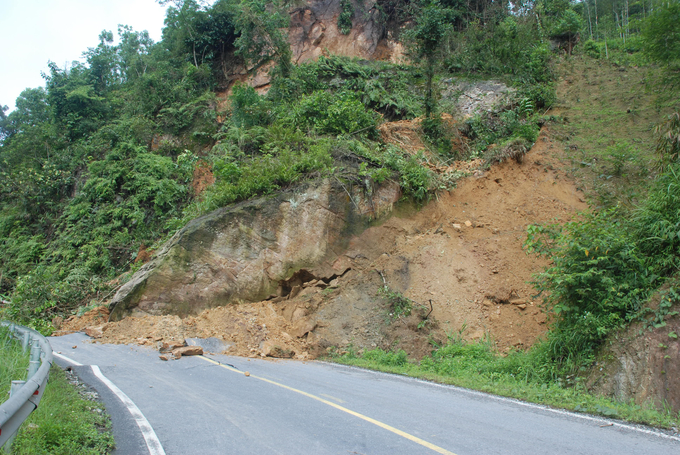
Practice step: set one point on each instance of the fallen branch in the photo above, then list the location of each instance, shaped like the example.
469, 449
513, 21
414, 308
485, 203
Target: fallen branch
383, 277
431, 309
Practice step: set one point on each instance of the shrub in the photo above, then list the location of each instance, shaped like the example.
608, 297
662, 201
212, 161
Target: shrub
604, 269
325, 112
345, 17
592, 49
416, 180
248, 108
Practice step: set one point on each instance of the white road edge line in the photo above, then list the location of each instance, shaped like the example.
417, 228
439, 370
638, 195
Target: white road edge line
519, 402
152, 442
67, 359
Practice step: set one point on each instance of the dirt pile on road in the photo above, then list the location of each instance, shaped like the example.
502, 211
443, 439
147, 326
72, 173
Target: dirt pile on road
460, 256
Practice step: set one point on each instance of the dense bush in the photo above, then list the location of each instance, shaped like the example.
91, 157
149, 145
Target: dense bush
332, 113
391, 90
605, 268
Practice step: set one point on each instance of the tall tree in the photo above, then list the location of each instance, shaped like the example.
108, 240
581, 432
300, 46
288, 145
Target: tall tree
432, 24
262, 36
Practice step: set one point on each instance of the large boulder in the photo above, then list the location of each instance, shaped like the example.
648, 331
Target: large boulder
254, 250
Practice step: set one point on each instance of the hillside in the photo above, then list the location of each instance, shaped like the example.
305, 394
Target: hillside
462, 252
472, 193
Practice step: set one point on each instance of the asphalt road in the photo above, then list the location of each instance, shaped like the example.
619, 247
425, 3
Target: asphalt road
208, 405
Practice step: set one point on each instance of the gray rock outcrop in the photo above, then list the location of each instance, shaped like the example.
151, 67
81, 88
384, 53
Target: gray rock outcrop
642, 366
247, 251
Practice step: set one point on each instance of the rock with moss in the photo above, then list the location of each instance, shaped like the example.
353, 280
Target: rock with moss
247, 251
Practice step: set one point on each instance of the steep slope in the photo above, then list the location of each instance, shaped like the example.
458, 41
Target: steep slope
461, 252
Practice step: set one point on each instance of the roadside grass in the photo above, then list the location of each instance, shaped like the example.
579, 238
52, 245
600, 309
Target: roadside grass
65, 423
609, 114
474, 365
13, 363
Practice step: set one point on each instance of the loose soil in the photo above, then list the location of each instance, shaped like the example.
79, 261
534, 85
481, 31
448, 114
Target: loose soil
460, 257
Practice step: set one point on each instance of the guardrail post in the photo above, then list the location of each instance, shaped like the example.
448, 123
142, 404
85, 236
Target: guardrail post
34, 364
16, 385
26, 341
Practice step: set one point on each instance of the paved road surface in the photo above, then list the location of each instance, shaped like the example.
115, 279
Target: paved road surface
207, 405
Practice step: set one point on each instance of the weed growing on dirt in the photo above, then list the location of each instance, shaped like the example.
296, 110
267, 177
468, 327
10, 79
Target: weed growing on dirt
399, 305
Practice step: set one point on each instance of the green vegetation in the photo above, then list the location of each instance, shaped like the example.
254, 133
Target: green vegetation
345, 17
13, 362
475, 365
64, 423
605, 268
103, 162
106, 160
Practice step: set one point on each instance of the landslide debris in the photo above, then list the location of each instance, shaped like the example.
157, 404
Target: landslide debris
247, 251
462, 252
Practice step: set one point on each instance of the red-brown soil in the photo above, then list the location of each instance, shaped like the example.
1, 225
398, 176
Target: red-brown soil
462, 251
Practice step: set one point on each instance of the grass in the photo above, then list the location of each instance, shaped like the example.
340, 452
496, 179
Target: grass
13, 362
65, 423
475, 366
609, 113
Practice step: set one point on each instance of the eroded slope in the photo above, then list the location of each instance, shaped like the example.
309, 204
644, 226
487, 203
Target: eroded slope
462, 251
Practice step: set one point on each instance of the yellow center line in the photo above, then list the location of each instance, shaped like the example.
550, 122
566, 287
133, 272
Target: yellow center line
332, 398
397, 431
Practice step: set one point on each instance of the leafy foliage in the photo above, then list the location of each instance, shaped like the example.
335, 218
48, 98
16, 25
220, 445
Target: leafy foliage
345, 17
605, 268
661, 35
324, 112
668, 140
261, 38
385, 88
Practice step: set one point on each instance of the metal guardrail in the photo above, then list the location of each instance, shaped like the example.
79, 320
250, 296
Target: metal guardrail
25, 395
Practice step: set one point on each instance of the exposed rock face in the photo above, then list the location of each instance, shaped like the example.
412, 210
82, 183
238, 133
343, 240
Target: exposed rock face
314, 31
248, 251
475, 97
642, 366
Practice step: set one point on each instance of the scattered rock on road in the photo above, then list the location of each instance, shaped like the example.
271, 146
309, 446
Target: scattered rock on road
95, 332
211, 344
170, 346
187, 350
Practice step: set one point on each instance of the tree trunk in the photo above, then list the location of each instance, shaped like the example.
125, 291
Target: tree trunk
429, 101
597, 31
